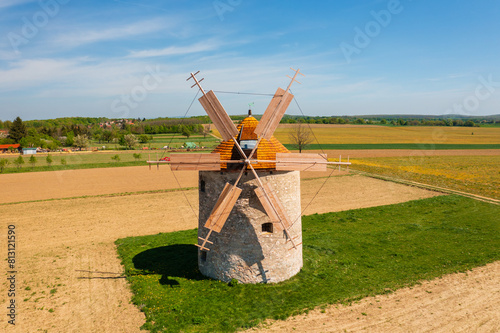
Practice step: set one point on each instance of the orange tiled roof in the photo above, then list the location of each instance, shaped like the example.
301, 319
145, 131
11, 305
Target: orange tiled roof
266, 151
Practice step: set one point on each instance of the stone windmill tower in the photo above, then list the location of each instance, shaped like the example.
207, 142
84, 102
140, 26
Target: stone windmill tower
249, 195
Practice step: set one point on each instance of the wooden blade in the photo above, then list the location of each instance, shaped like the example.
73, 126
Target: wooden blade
273, 206
195, 161
218, 115
223, 207
301, 162
273, 114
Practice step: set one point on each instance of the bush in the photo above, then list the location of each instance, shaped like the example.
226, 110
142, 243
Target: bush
3, 163
19, 162
32, 160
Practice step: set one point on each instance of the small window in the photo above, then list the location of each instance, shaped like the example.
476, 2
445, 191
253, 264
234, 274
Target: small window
267, 228
203, 255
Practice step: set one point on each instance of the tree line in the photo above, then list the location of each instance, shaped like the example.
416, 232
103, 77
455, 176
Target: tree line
67, 132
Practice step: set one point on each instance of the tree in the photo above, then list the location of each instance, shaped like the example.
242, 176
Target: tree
19, 161
81, 141
3, 163
32, 161
144, 138
70, 136
116, 158
206, 131
186, 131
63, 161
137, 156
49, 160
107, 136
300, 137
128, 140
17, 130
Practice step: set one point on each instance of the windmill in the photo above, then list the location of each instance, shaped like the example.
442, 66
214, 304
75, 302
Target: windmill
252, 161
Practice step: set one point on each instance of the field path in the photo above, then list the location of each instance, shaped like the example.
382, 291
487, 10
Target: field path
69, 276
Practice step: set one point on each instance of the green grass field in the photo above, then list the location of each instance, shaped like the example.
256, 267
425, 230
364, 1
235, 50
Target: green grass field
172, 140
347, 256
87, 160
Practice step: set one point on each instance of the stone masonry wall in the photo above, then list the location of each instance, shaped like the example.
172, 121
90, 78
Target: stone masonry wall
242, 250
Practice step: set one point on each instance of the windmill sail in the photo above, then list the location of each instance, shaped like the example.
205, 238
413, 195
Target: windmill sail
223, 207
210, 162
218, 115
273, 114
301, 162
273, 206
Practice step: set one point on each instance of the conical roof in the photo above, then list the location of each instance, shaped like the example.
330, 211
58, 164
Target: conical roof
266, 150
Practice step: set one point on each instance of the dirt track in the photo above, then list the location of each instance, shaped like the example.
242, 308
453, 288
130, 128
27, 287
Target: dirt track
69, 275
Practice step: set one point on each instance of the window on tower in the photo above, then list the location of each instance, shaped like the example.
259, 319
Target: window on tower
203, 255
267, 228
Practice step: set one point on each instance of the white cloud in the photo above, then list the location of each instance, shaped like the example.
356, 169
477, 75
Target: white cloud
118, 33
12, 3
176, 50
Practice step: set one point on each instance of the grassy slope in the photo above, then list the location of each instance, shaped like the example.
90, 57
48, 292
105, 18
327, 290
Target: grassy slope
347, 256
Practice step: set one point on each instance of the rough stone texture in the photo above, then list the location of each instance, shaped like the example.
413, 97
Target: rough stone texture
242, 250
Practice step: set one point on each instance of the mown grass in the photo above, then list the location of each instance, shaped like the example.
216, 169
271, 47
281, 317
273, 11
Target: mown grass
347, 256
473, 174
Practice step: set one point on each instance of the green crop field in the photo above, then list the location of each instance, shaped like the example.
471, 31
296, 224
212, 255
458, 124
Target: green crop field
347, 256
172, 140
473, 174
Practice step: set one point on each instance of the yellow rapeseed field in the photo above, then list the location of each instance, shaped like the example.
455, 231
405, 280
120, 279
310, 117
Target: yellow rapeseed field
366, 134
473, 174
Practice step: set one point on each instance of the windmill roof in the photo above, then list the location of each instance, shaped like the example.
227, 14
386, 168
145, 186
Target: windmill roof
266, 150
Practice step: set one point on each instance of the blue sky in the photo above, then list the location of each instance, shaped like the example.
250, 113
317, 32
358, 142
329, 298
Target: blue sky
116, 59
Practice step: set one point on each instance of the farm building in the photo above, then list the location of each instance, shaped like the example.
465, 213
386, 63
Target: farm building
6, 148
29, 151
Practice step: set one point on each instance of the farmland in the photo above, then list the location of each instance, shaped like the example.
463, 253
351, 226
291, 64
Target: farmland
372, 134
69, 220
72, 220
474, 174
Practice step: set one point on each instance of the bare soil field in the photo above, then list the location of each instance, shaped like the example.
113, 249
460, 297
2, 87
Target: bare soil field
69, 277
74, 183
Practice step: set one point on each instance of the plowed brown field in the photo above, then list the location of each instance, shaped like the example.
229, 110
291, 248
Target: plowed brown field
69, 277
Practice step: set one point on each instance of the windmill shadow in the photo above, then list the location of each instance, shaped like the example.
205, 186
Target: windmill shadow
179, 260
